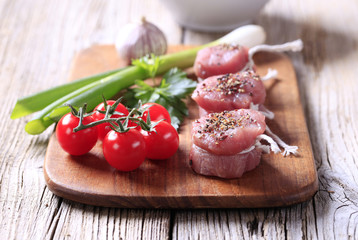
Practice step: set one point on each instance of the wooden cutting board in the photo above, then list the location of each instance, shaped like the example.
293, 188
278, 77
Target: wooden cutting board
277, 181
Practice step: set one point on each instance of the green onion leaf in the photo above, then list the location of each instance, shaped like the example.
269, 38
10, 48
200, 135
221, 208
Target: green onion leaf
90, 94
33, 103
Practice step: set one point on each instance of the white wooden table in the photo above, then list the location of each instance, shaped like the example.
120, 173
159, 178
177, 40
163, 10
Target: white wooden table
38, 40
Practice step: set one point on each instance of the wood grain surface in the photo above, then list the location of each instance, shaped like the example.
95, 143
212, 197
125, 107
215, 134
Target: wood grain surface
277, 181
39, 39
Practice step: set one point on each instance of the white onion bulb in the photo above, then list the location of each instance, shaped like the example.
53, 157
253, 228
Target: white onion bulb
136, 40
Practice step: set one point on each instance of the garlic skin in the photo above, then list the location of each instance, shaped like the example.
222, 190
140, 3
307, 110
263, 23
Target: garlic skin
135, 40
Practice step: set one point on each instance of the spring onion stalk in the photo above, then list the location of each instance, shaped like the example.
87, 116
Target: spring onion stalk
33, 103
90, 94
249, 36
108, 85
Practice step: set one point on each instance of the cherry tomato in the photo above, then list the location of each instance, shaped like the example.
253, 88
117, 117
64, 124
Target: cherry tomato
157, 112
163, 143
76, 143
124, 151
104, 128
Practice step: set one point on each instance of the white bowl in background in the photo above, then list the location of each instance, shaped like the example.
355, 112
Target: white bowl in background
214, 15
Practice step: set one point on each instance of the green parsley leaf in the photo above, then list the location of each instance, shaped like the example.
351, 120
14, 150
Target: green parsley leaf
149, 63
173, 88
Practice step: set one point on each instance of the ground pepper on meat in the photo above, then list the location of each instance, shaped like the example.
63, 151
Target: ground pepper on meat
230, 83
217, 125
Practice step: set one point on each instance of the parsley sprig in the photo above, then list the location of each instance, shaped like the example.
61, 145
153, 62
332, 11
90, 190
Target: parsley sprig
174, 87
148, 63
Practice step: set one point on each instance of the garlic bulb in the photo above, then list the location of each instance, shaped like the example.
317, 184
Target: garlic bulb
136, 40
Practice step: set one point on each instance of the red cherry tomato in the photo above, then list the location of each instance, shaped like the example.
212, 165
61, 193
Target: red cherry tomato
163, 143
104, 128
157, 112
124, 151
75, 143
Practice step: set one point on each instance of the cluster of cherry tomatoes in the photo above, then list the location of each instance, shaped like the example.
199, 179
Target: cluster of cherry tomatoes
124, 148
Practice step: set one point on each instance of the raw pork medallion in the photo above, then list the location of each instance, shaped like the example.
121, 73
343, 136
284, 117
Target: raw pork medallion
228, 92
220, 59
223, 143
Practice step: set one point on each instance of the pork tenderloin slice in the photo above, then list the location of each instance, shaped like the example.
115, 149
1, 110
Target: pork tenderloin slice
223, 166
220, 59
228, 132
229, 92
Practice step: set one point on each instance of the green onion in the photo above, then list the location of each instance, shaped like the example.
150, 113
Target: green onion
90, 94
90, 90
33, 103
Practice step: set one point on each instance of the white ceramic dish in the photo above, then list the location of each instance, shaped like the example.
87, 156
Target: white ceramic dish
214, 15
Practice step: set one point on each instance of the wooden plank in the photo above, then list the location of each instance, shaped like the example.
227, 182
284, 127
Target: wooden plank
278, 181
